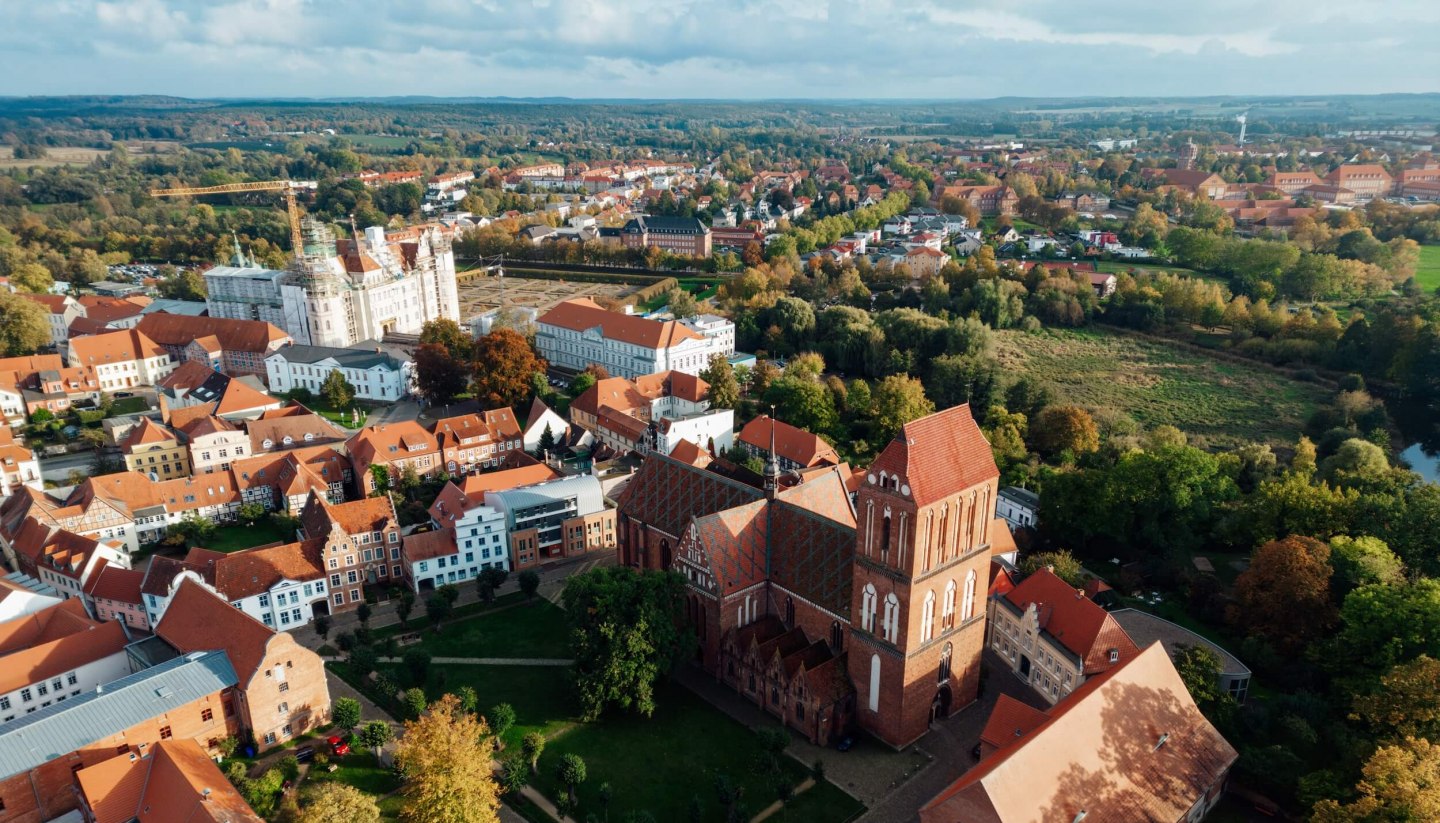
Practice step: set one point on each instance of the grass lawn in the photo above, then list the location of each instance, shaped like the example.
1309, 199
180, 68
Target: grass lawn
824, 801
234, 538
1217, 403
658, 764
536, 629
1427, 274
358, 769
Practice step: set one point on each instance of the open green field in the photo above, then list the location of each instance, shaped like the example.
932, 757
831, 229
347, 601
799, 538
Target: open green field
1427, 274
1216, 402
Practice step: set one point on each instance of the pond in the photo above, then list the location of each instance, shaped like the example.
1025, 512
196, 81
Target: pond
1419, 425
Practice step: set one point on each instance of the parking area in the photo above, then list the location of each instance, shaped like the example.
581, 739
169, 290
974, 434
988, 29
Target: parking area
481, 293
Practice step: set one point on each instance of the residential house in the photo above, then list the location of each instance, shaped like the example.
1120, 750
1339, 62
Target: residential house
55, 654
576, 333
471, 442
1053, 637
237, 347
121, 359
793, 448
361, 543
281, 690
175, 780
113, 593
375, 373
1156, 758
396, 446
187, 698
155, 450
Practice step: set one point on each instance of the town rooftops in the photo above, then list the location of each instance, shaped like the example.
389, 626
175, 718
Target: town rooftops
65, 727
1076, 622
583, 314
52, 641
1128, 745
198, 620
255, 336
176, 781
792, 443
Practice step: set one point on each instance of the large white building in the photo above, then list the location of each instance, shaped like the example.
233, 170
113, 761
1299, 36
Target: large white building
576, 333
339, 293
375, 373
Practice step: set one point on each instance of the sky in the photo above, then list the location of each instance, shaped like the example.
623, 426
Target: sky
729, 49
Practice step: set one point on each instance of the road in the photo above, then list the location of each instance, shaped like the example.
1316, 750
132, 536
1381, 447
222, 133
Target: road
57, 469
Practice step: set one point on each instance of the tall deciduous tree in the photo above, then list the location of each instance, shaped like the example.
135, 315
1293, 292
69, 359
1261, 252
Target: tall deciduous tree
333, 802
1058, 429
1284, 596
24, 325
895, 401
504, 364
1400, 783
626, 632
445, 759
439, 377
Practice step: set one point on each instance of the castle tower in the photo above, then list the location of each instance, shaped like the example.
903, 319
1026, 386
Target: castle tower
921, 570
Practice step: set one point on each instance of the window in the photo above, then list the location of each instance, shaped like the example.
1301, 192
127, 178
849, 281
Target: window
164, 732
206, 715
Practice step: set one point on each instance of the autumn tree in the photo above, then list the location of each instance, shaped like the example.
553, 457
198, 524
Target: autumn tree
24, 325
724, 388
627, 630
444, 757
439, 377
449, 335
895, 401
504, 364
337, 391
1400, 783
1404, 704
1284, 596
333, 802
1059, 429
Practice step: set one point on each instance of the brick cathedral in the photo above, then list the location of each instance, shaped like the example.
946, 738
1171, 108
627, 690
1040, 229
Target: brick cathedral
829, 606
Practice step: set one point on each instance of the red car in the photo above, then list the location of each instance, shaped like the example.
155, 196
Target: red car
338, 746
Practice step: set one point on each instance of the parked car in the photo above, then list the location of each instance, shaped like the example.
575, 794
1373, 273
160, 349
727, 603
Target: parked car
338, 746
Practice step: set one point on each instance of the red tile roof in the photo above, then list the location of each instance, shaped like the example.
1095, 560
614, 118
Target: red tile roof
1128, 745
939, 455
1067, 615
583, 313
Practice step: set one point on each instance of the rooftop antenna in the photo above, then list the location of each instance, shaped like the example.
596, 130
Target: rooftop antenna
1241, 118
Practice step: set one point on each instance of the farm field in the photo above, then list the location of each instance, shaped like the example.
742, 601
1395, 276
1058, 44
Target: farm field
1217, 403
1427, 274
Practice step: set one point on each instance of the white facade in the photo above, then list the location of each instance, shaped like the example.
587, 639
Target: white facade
704, 429
83, 678
333, 300
375, 375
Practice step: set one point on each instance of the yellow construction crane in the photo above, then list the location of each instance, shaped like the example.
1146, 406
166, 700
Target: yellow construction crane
288, 187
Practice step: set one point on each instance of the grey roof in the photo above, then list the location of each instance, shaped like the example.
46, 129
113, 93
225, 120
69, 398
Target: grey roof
1145, 628
355, 358
61, 728
193, 308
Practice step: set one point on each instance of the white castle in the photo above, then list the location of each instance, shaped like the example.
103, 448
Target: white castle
337, 293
